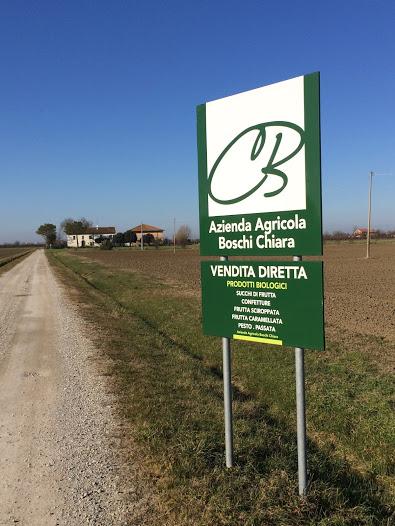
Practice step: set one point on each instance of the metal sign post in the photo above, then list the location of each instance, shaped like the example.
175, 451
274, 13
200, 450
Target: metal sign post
300, 414
227, 376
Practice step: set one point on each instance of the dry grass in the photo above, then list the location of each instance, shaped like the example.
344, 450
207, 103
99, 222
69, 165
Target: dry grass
169, 387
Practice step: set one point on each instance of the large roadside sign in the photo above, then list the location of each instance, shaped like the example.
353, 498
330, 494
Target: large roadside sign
260, 171
278, 303
260, 195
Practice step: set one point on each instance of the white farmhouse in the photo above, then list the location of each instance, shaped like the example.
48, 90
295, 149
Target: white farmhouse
91, 236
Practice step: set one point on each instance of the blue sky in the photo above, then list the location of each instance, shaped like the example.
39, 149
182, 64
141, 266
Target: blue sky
97, 107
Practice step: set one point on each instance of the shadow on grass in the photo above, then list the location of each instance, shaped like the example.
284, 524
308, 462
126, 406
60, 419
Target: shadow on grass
280, 449
323, 468
330, 479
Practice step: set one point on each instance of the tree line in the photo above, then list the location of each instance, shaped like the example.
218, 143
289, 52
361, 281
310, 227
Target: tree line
70, 226
339, 235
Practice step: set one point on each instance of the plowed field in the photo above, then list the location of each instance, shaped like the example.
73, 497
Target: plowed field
8, 252
359, 293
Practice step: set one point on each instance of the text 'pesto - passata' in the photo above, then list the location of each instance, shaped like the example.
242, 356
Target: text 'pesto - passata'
262, 271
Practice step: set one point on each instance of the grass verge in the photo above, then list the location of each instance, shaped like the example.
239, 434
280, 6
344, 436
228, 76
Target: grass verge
168, 382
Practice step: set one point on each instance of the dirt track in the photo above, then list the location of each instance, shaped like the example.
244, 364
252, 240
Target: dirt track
57, 465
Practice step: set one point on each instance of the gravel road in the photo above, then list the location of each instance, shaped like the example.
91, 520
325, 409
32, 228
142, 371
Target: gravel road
58, 459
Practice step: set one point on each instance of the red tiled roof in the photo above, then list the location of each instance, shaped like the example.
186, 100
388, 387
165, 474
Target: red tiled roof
364, 230
99, 230
146, 228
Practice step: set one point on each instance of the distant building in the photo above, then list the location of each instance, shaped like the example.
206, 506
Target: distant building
360, 233
144, 229
91, 236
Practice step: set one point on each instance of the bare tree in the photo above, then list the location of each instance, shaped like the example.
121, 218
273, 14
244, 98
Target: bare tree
183, 235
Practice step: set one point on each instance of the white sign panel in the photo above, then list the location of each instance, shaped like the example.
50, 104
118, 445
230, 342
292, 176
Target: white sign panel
268, 125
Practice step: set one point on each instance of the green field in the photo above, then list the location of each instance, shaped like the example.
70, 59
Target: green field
168, 381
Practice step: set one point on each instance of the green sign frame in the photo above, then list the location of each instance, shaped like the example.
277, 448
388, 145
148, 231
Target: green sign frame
287, 230
278, 303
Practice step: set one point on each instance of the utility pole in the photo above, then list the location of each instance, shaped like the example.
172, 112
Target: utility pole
142, 240
369, 216
174, 236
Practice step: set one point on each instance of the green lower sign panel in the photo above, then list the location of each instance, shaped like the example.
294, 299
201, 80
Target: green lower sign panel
279, 303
